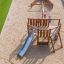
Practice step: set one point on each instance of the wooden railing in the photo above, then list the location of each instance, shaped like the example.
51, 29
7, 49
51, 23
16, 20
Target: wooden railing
39, 23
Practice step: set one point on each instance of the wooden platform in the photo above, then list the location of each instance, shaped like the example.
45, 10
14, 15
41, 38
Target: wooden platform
42, 43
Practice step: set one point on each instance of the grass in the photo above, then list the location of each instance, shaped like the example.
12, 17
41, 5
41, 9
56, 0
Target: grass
4, 8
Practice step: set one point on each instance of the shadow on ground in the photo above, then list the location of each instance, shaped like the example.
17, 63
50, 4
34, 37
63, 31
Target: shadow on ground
62, 2
36, 54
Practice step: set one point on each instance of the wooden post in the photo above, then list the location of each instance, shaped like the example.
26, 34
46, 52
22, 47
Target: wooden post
28, 26
60, 40
51, 41
37, 37
33, 22
37, 32
41, 26
59, 24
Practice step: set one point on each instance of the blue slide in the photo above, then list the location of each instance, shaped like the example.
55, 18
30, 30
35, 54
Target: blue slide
27, 43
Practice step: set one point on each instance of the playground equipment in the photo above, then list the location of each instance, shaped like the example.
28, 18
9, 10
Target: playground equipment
43, 30
44, 3
27, 43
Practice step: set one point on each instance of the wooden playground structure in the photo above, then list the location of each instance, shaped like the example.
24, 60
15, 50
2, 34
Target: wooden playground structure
43, 30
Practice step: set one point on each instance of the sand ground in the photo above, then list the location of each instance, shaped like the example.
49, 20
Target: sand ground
14, 32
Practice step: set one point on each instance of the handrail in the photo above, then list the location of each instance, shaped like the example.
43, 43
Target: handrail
43, 19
